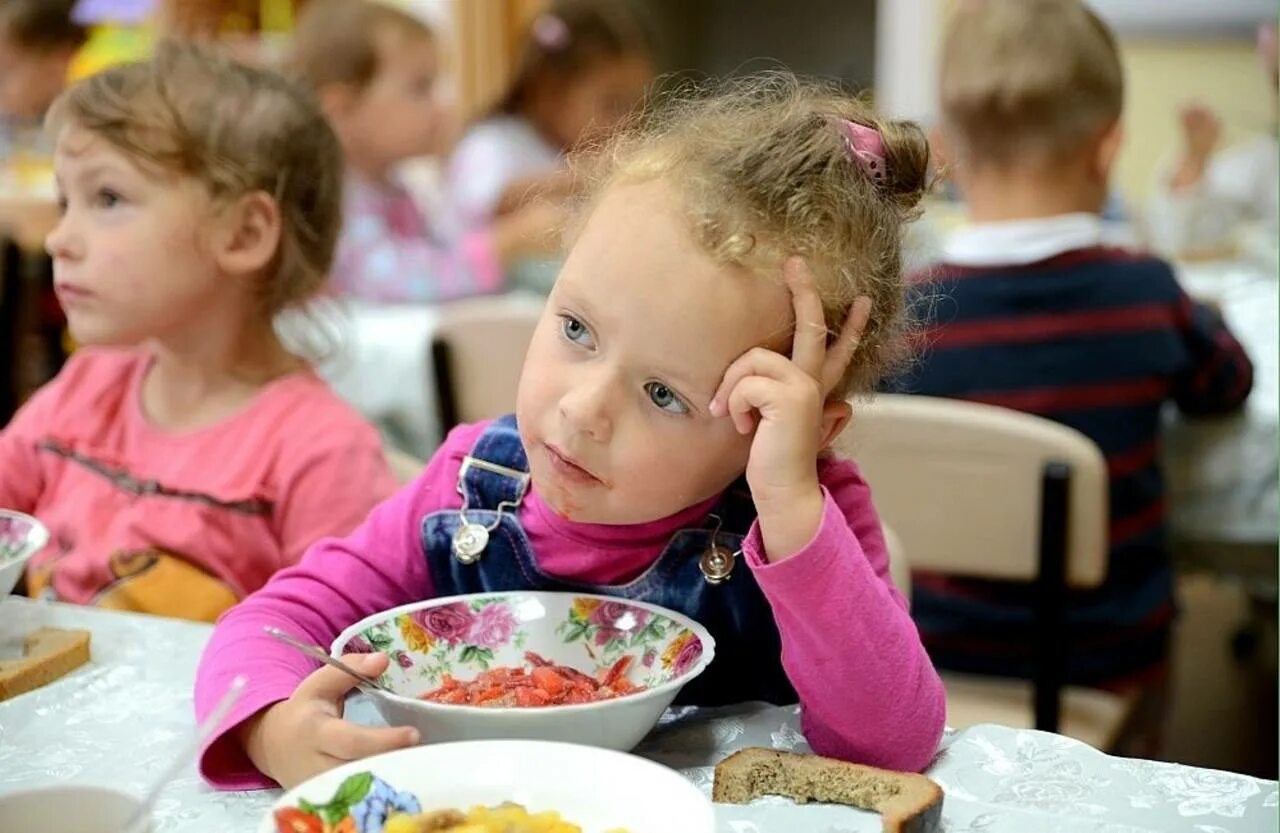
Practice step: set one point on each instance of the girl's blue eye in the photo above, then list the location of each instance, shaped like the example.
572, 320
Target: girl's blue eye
106, 198
665, 398
575, 331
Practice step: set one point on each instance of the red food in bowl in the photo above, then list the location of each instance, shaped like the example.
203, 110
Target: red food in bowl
544, 684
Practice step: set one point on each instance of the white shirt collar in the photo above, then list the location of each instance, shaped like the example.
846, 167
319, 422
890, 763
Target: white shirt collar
1016, 242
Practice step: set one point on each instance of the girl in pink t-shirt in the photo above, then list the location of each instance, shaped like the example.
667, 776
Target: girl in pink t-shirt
735, 278
185, 453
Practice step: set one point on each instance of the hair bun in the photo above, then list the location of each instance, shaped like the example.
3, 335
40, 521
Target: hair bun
907, 154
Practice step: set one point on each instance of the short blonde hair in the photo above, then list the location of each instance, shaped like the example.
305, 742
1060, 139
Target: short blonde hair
1027, 80
764, 170
336, 41
193, 112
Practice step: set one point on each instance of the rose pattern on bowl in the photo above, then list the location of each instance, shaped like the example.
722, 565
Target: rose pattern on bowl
19, 534
463, 638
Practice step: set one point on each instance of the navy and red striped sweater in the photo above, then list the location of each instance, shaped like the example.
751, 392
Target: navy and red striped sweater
1098, 339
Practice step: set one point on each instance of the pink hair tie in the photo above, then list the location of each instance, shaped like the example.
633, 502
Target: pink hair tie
551, 33
865, 146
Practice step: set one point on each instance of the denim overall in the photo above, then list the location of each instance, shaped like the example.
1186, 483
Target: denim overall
747, 664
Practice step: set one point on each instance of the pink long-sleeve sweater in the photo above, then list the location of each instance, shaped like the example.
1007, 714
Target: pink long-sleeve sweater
849, 647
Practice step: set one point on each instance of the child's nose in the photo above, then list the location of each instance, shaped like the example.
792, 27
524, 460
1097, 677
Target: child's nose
585, 408
60, 242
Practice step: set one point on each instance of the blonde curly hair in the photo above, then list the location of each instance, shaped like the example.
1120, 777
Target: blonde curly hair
764, 172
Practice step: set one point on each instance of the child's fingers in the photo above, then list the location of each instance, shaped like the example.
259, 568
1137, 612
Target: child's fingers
809, 344
329, 683
758, 361
755, 394
745, 400
351, 742
841, 352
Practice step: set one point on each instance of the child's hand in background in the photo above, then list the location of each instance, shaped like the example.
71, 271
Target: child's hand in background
297, 738
1201, 131
785, 401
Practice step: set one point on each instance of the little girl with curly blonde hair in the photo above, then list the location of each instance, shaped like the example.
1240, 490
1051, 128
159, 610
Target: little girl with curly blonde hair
734, 279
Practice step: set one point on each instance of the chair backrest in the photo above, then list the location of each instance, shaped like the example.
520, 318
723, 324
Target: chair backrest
405, 468
477, 352
961, 484
899, 566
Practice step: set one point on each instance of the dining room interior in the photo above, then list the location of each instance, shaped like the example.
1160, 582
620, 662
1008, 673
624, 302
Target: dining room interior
277, 278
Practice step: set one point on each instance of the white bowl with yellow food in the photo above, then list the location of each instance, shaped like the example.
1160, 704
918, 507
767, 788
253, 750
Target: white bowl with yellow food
495, 786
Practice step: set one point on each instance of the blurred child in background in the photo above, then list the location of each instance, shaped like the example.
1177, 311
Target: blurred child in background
376, 69
184, 454
37, 42
1202, 200
584, 67
1030, 310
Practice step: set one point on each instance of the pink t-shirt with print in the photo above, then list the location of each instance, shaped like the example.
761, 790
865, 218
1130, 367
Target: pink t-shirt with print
181, 524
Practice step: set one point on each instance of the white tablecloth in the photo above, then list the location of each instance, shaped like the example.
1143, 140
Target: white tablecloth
1222, 471
117, 721
383, 365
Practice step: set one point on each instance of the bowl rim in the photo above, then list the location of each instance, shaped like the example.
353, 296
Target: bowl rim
708, 654
448, 747
41, 534
71, 787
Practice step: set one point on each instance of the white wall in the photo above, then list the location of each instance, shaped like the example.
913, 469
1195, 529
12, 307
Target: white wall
906, 71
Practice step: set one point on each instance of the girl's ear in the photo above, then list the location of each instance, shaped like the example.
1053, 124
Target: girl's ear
835, 416
338, 100
248, 234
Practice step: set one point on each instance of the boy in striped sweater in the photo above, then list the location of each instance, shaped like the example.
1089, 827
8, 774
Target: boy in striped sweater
1030, 310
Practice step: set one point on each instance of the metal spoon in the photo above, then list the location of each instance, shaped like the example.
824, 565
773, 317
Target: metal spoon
316, 652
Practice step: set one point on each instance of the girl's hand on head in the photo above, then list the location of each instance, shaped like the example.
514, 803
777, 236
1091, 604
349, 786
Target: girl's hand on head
306, 735
785, 402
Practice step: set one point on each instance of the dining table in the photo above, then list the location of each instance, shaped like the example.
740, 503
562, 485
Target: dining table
117, 721
1224, 504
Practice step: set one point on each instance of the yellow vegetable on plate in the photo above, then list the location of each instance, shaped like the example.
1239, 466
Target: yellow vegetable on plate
505, 818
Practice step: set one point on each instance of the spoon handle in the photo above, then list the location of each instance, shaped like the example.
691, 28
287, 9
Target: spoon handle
316, 653
138, 821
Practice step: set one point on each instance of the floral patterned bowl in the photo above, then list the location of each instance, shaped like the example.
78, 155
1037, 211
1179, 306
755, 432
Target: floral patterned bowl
465, 635
596, 789
21, 536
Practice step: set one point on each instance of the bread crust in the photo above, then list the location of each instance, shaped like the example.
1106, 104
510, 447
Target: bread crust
907, 802
48, 653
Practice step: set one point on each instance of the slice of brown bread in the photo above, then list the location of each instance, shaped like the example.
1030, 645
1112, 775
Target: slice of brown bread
48, 653
908, 803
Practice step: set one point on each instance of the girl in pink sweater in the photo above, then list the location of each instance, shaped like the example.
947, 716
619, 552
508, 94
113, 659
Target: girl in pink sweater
735, 278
